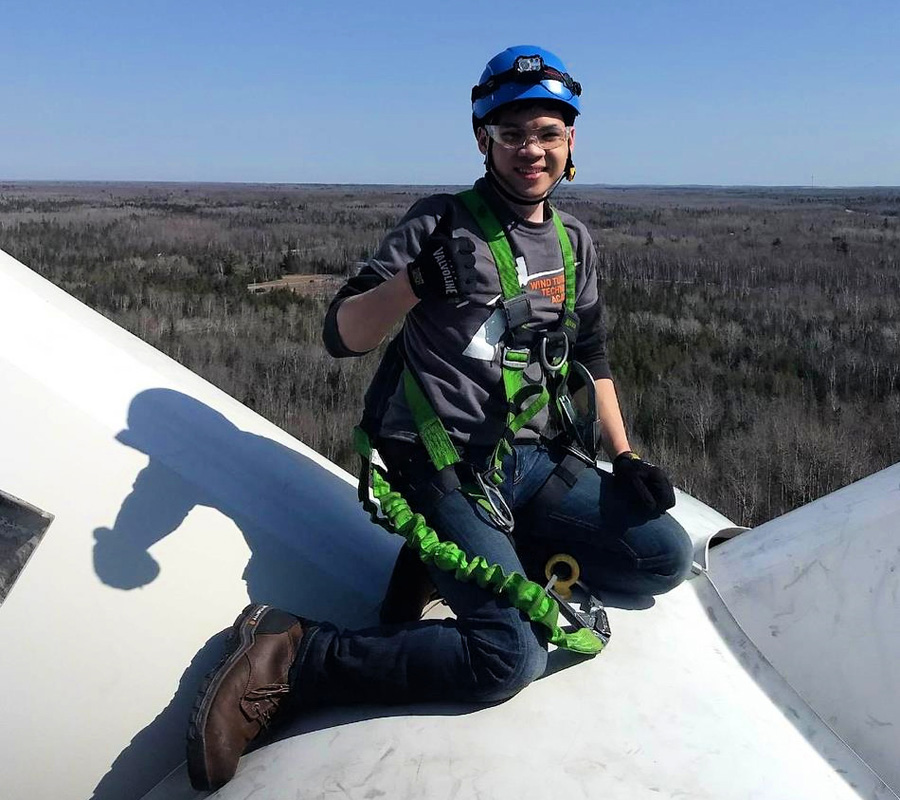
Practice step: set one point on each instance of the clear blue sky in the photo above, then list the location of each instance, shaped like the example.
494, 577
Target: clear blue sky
677, 91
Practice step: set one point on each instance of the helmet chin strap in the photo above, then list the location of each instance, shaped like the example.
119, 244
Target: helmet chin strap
497, 182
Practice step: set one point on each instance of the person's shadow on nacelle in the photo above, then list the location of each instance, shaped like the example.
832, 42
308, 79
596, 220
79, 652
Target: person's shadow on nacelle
312, 548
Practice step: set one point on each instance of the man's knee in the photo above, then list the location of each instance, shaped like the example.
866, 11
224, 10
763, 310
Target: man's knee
504, 660
673, 564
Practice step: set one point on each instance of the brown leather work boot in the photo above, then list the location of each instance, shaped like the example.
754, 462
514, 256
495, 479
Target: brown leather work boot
239, 698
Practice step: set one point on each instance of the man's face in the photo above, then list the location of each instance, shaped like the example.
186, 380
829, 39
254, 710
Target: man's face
529, 171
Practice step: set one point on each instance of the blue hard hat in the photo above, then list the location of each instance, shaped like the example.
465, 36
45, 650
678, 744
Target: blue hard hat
524, 72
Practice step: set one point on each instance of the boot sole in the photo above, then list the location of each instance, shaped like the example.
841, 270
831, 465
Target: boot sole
241, 638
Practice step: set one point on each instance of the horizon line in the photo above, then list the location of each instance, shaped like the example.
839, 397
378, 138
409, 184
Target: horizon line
316, 184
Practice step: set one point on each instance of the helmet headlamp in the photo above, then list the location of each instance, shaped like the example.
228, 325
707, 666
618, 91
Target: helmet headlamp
529, 64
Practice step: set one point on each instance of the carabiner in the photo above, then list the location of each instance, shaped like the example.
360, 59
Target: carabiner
501, 515
545, 362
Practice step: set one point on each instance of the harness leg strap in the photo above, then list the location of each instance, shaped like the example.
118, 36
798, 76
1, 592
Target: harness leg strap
548, 497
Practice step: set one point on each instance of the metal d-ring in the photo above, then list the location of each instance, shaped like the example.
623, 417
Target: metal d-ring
545, 362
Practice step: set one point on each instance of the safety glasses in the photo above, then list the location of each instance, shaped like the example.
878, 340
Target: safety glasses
515, 138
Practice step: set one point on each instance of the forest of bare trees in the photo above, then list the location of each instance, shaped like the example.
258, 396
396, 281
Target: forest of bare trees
754, 333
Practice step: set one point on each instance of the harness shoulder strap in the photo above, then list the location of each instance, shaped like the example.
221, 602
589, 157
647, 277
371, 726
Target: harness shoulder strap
496, 240
568, 259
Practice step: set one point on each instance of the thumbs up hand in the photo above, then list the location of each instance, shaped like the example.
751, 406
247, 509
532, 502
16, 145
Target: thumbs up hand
445, 269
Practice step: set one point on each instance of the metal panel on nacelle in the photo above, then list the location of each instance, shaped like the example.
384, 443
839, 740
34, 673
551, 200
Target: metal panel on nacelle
105, 645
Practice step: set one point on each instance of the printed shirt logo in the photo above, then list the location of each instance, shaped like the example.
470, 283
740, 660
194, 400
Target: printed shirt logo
552, 284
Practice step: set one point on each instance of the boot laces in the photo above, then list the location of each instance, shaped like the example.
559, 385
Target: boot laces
263, 702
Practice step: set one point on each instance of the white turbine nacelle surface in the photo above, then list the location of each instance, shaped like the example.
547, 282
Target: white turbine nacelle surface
771, 674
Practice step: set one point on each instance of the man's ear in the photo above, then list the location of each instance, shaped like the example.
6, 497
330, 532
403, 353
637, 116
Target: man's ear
482, 137
572, 139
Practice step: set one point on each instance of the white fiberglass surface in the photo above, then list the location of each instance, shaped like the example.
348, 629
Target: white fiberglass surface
681, 705
817, 591
173, 505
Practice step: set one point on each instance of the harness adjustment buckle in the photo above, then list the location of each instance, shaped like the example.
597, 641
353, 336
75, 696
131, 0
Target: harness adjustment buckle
494, 476
516, 357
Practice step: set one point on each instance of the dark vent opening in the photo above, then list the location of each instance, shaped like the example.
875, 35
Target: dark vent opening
22, 526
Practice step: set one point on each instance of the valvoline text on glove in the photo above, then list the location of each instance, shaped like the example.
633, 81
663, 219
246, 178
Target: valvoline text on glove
445, 268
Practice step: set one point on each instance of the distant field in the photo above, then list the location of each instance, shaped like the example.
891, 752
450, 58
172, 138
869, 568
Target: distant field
754, 332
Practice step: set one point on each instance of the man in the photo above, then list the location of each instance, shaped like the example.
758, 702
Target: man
471, 411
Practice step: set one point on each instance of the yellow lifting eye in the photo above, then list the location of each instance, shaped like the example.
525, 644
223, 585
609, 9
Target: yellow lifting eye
566, 572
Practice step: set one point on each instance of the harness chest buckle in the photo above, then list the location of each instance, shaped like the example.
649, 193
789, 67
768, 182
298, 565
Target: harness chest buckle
517, 310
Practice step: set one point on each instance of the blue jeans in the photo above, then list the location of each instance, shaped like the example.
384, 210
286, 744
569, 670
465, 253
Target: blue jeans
491, 650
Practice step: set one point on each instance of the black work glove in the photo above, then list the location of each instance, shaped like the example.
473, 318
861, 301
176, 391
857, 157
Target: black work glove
445, 269
650, 486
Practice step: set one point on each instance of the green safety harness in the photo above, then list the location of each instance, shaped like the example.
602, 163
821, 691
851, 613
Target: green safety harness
525, 400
